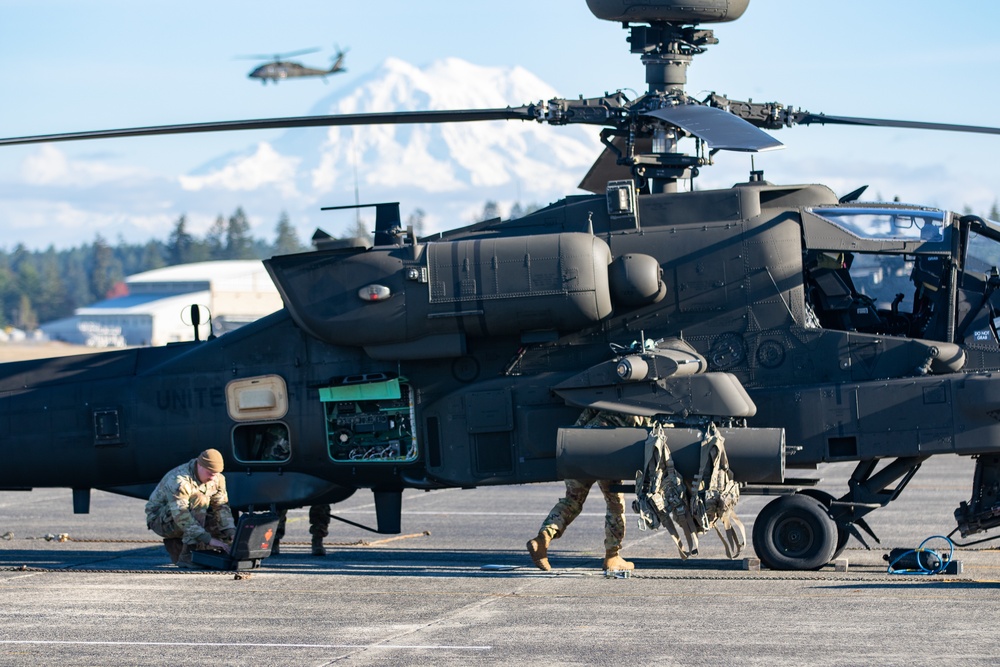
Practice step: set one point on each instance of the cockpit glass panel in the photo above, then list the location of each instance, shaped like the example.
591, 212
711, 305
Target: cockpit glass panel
925, 225
984, 252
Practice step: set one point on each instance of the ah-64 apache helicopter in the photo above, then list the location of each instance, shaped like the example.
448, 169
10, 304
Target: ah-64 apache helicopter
463, 359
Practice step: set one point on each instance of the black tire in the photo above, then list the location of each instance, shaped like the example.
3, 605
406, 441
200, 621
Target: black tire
794, 532
843, 528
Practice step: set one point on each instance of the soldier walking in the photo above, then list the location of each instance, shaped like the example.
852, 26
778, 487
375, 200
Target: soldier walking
570, 506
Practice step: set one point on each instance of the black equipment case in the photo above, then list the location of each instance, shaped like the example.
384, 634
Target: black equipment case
254, 537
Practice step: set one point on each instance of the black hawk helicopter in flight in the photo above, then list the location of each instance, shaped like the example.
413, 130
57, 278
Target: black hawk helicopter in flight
801, 326
280, 69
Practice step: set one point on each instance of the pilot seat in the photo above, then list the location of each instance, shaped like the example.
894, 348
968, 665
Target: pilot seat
836, 301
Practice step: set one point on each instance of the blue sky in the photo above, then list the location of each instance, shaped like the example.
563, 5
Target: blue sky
71, 65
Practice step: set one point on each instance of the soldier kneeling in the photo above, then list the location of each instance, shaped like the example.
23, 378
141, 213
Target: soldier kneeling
190, 508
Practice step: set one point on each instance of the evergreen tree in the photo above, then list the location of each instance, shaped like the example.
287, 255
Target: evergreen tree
215, 239
25, 317
107, 269
491, 210
180, 243
152, 257
239, 244
286, 240
78, 291
6, 288
994, 212
52, 301
25, 271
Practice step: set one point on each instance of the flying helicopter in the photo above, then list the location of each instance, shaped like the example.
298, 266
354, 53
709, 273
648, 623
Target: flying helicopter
804, 326
279, 69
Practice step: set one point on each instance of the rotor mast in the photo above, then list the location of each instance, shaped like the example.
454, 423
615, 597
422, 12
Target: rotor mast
666, 51
666, 36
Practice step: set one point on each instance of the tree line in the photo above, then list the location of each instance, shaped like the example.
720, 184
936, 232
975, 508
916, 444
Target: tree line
41, 286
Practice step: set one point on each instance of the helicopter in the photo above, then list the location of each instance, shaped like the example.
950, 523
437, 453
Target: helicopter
279, 69
802, 326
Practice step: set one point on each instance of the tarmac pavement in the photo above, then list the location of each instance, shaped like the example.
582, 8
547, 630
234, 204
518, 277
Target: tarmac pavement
457, 587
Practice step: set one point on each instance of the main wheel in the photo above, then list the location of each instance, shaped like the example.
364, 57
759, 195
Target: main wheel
794, 532
843, 532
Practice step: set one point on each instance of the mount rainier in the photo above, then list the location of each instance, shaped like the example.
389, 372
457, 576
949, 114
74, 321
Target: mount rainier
448, 171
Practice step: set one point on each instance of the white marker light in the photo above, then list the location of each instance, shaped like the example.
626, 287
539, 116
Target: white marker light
374, 293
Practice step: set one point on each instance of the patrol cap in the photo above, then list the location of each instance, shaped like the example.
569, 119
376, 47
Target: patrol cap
211, 460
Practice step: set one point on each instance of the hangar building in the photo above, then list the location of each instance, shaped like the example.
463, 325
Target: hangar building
157, 308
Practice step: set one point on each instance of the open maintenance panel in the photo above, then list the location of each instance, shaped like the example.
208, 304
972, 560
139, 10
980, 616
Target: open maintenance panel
370, 421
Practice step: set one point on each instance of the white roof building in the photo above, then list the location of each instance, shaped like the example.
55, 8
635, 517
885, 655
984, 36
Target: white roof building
157, 308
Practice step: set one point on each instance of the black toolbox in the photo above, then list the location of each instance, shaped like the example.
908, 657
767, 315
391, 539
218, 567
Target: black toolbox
254, 537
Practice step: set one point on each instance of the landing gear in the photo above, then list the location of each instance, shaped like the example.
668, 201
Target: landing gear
841, 519
809, 528
795, 532
982, 512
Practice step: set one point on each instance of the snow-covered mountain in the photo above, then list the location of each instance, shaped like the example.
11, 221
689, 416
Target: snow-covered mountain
448, 171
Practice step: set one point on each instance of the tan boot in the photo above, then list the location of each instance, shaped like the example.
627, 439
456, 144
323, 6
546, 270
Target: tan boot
613, 561
184, 560
538, 549
173, 545
317, 546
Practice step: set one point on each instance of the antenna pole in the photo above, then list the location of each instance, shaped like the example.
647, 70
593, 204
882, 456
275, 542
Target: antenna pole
357, 194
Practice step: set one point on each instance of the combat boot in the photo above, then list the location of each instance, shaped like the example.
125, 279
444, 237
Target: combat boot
613, 561
184, 560
317, 546
173, 545
538, 549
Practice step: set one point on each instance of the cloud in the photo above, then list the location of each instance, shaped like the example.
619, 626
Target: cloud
264, 167
38, 223
50, 166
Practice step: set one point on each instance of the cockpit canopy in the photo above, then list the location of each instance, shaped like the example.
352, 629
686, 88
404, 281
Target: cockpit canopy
878, 229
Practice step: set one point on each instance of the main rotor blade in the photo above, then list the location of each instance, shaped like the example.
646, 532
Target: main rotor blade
386, 118
279, 56
806, 118
718, 128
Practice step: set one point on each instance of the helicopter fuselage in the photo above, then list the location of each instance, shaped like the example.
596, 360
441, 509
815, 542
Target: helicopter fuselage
444, 362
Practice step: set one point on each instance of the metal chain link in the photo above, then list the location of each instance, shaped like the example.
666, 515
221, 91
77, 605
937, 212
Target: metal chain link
880, 576
64, 537
54, 570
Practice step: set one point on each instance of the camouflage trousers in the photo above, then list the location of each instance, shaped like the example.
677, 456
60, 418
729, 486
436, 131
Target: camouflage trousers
163, 524
319, 521
570, 507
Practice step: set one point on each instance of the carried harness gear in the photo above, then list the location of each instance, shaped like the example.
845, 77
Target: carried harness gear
664, 499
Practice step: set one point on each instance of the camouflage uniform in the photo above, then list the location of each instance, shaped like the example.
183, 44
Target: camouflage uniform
319, 526
183, 508
569, 507
319, 521
577, 490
